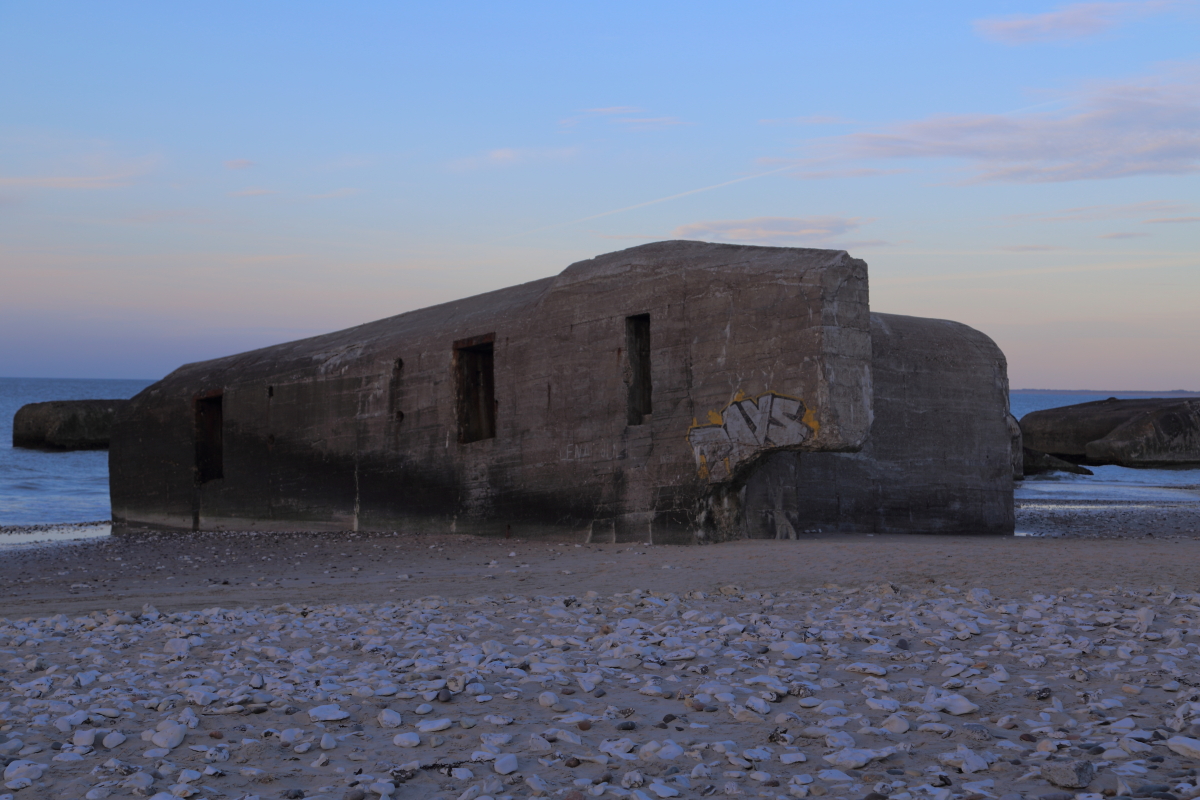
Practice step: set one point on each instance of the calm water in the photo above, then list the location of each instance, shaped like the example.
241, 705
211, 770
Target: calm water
45, 488
39, 487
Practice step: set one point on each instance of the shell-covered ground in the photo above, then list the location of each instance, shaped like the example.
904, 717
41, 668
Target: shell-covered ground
904, 691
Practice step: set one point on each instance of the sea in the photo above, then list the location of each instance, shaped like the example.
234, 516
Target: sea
42, 487
55, 495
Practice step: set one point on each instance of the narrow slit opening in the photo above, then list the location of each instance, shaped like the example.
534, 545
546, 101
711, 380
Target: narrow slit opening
210, 435
475, 368
637, 345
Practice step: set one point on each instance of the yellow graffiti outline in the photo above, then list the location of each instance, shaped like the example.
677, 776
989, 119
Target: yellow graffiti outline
716, 419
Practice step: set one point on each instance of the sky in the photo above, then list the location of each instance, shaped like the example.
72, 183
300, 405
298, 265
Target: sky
182, 181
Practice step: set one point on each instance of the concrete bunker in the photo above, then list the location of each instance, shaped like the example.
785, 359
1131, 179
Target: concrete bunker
674, 392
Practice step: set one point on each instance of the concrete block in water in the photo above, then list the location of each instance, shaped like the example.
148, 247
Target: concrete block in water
66, 424
1150, 432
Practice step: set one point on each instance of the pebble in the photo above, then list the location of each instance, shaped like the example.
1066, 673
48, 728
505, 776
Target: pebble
389, 719
327, 713
433, 725
913, 693
1069, 774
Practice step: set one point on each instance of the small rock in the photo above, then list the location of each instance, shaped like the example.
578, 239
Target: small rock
434, 725
327, 713
389, 719
1069, 774
1184, 746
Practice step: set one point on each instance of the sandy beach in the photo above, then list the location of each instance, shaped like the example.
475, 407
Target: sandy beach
357, 666
181, 570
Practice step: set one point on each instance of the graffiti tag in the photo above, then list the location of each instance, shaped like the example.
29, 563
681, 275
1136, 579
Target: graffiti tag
744, 429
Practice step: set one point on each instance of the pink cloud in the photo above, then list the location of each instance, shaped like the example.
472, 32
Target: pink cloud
814, 119
649, 123
1142, 127
1104, 212
345, 192
625, 116
252, 192
509, 156
239, 163
1075, 21
68, 181
863, 172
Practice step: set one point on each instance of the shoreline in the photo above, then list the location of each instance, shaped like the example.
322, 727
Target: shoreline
182, 570
1052, 516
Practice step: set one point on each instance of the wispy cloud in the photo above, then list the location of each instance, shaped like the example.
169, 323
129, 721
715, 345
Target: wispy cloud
826, 168
346, 192
1027, 248
648, 123
69, 181
253, 191
656, 201
828, 174
814, 119
592, 113
1170, 220
190, 216
1075, 21
787, 231
1123, 235
510, 156
611, 110
1103, 212
239, 163
1142, 127
628, 117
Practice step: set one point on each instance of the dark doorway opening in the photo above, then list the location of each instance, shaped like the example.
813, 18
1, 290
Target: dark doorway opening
210, 448
476, 392
637, 345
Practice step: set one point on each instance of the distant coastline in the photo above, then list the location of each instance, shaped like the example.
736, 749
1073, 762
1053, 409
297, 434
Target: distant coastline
1109, 392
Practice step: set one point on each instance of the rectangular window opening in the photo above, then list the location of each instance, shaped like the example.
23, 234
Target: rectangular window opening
210, 449
476, 391
637, 345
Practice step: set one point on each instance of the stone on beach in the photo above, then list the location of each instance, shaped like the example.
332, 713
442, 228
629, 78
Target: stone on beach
327, 713
1069, 774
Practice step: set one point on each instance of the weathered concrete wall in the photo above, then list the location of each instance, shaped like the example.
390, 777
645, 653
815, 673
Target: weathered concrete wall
938, 459
359, 429
66, 424
1151, 432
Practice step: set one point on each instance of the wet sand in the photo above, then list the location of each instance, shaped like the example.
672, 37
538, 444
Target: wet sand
185, 570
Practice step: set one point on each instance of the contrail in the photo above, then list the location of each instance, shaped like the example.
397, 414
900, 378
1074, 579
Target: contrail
659, 200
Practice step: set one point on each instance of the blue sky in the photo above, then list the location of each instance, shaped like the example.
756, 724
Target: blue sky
183, 181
